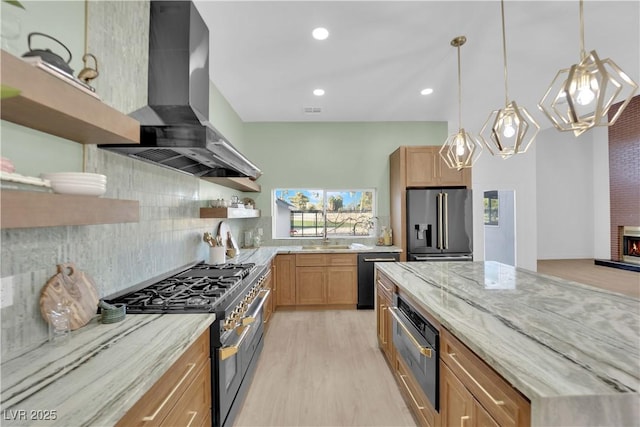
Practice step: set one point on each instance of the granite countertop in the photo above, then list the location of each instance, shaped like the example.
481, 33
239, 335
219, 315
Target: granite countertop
99, 374
572, 349
270, 251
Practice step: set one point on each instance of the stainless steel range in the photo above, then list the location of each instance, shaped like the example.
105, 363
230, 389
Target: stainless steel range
235, 293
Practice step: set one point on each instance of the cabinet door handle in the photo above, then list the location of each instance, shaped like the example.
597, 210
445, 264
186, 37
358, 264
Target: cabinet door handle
170, 395
425, 351
379, 259
383, 322
385, 288
494, 400
193, 417
402, 377
463, 419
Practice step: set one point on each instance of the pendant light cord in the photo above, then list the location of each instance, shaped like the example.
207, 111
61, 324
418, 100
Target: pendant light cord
583, 53
504, 56
459, 93
86, 25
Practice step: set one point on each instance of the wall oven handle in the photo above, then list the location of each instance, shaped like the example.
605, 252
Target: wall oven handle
425, 351
379, 259
402, 377
252, 317
170, 395
227, 352
494, 400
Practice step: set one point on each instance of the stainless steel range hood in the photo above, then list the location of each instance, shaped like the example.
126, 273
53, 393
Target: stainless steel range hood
174, 128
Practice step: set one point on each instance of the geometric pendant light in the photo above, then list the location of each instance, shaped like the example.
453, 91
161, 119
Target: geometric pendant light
580, 96
510, 130
461, 149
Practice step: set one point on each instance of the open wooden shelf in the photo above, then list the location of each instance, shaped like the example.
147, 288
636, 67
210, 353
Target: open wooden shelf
241, 184
48, 104
29, 209
229, 213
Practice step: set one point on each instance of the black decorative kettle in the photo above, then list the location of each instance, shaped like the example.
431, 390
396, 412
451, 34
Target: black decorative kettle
48, 56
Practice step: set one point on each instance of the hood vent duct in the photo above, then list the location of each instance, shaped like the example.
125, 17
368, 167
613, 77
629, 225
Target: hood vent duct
175, 131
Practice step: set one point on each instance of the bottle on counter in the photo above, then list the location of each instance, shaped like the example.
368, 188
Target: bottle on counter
388, 236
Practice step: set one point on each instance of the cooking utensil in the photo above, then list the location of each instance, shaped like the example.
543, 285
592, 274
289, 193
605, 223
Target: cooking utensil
225, 235
87, 73
208, 237
74, 288
48, 56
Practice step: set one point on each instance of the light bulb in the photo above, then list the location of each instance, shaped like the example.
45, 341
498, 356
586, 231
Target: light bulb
508, 130
585, 94
460, 148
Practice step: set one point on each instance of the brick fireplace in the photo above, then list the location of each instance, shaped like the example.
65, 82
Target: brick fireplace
624, 175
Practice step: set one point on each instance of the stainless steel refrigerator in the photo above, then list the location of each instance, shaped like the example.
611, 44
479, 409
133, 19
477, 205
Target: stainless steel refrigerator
439, 225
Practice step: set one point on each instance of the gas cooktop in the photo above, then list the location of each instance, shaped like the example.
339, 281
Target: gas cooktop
198, 289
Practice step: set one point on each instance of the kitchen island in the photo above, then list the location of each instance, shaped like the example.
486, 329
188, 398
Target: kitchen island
572, 350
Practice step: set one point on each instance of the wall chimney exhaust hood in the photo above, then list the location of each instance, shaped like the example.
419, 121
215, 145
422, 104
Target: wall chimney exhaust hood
175, 131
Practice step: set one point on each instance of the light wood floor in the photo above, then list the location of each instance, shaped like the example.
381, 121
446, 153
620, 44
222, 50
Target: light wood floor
585, 271
323, 368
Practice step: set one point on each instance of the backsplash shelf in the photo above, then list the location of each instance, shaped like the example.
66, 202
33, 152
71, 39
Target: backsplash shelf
48, 104
241, 184
229, 213
30, 209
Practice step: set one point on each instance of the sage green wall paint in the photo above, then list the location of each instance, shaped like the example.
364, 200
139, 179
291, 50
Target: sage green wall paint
332, 154
34, 152
225, 119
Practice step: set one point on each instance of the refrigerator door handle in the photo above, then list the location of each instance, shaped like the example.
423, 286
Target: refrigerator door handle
446, 221
439, 245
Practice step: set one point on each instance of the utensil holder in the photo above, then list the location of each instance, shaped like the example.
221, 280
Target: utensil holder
115, 314
217, 255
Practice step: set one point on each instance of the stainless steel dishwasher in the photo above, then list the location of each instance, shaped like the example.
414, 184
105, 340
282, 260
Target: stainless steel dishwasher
366, 285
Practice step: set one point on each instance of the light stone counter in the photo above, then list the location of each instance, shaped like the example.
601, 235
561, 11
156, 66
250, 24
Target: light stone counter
99, 374
573, 350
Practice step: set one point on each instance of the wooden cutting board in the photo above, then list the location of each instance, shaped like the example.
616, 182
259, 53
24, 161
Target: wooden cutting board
76, 289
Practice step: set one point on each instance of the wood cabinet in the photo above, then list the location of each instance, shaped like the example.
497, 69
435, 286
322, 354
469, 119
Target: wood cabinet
285, 279
246, 185
384, 325
268, 304
426, 168
30, 209
326, 279
414, 396
49, 104
417, 167
473, 394
182, 396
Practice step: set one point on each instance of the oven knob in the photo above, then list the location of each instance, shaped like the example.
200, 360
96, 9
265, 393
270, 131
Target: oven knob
229, 324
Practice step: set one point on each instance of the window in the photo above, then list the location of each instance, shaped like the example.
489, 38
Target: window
310, 213
491, 205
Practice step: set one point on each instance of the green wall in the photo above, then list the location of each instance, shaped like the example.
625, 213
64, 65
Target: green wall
332, 154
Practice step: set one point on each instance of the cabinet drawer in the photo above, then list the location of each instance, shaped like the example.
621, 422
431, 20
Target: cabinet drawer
503, 402
414, 396
341, 259
194, 405
158, 402
385, 285
310, 260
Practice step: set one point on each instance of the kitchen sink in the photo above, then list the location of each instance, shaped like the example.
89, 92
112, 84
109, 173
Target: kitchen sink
325, 247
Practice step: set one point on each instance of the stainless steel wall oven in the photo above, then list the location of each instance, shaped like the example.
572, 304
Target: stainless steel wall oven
417, 341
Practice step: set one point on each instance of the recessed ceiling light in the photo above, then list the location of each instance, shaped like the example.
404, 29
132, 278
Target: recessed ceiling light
426, 91
320, 33
318, 92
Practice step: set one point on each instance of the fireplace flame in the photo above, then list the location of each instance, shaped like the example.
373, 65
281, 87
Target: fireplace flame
634, 250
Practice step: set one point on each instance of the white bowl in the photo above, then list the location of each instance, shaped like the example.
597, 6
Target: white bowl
75, 176
75, 181
78, 189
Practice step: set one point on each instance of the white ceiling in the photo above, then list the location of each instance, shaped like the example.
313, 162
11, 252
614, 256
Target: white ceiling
380, 54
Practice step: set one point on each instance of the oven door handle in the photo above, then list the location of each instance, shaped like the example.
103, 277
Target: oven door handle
425, 351
264, 293
227, 352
